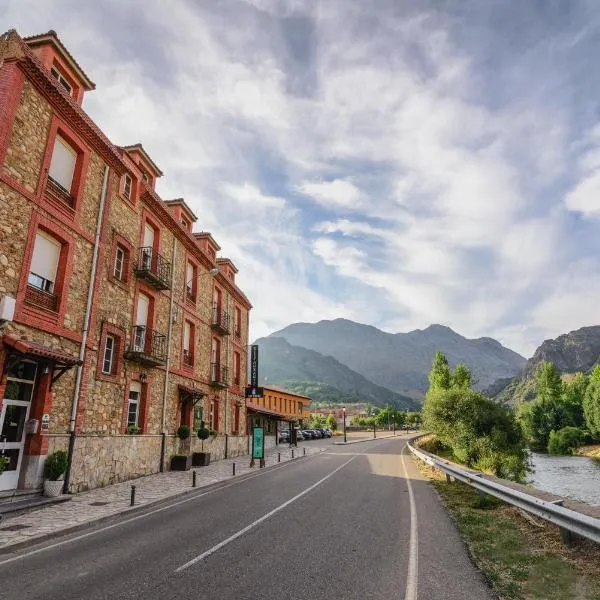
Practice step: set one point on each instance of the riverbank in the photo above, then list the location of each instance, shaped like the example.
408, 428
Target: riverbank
522, 558
593, 451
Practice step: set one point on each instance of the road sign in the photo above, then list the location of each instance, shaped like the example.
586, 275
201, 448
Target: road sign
258, 442
255, 392
254, 365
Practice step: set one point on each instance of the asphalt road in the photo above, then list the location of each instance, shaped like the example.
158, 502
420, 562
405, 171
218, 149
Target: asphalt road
345, 524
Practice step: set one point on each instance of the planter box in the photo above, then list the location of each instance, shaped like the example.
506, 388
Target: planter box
201, 459
52, 489
181, 463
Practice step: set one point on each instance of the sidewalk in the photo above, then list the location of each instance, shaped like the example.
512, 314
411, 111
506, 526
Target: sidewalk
88, 508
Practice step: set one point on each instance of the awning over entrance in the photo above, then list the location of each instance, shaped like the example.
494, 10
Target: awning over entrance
190, 393
267, 411
19, 349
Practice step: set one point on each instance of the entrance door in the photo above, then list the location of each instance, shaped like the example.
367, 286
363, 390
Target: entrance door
14, 415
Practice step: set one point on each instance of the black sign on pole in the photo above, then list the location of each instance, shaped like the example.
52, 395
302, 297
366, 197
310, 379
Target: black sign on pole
254, 365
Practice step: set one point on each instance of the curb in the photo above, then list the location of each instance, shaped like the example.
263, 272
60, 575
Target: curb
5, 550
383, 437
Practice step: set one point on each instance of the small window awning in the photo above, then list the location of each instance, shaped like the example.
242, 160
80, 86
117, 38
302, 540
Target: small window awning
256, 408
61, 361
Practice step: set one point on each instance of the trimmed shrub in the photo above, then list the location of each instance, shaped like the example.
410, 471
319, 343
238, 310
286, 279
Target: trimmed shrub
183, 433
55, 465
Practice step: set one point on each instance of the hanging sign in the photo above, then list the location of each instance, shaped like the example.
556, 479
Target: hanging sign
254, 365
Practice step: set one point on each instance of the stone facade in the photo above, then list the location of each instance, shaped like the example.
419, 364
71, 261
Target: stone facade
113, 189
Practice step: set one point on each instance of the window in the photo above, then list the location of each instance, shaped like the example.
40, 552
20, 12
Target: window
300, 408
238, 322
188, 356
185, 224
62, 164
236, 419
214, 415
44, 263
127, 184
236, 368
61, 79
119, 270
190, 279
133, 405
109, 355
145, 177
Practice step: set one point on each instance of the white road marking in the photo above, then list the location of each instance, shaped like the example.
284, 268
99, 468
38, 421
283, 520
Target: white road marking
152, 512
412, 578
252, 525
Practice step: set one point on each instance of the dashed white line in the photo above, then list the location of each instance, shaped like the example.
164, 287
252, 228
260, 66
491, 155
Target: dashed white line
252, 525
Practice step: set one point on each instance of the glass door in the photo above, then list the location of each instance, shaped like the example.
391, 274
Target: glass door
14, 415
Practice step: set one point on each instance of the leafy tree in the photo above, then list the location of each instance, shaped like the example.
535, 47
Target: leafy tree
573, 396
317, 421
440, 376
462, 377
413, 419
548, 383
565, 440
591, 403
331, 422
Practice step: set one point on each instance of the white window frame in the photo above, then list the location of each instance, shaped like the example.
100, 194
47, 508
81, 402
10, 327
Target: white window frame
127, 186
133, 400
189, 275
119, 267
212, 415
45, 281
61, 79
111, 352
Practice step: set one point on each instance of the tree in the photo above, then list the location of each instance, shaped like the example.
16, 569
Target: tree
461, 377
548, 383
331, 422
591, 403
573, 396
565, 440
440, 376
317, 421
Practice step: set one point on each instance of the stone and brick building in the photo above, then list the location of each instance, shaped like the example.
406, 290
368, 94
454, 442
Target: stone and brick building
127, 323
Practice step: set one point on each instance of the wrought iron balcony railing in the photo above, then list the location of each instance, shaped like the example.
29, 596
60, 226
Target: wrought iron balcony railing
219, 375
147, 347
220, 320
154, 268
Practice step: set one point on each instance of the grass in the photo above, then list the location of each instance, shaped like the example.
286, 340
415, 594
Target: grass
522, 559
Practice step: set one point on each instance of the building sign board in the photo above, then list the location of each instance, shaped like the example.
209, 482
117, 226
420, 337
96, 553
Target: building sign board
258, 442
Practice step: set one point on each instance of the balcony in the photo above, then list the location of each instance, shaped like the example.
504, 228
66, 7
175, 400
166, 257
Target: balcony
154, 268
188, 358
147, 347
220, 320
40, 294
219, 375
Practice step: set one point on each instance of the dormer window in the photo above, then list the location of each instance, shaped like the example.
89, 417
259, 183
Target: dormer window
62, 80
144, 177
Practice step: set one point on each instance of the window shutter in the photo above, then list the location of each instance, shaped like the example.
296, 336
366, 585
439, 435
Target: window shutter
189, 275
46, 254
142, 310
62, 165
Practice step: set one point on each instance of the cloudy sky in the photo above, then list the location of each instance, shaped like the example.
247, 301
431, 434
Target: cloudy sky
395, 162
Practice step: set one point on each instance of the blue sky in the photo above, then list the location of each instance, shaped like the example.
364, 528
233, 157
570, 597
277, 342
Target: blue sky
395, 162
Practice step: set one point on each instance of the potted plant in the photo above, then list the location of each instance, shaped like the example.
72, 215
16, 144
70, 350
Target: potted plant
3, 463
202, 459
55, 467
183, 433
181, 462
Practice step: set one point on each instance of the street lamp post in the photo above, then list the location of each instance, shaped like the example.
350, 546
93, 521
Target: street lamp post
344, 411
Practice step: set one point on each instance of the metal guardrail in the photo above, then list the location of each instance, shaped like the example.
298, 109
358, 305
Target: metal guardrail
568, 520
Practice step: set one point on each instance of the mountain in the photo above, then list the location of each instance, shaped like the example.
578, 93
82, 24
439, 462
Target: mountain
401, 361
571, 352
284, 364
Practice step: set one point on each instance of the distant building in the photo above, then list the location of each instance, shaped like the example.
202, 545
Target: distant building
278, 409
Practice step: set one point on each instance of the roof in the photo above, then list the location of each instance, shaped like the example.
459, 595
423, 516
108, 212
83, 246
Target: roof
276, 388
139, 148
205, 235
268, 411
52, 38
182, 202
41, 351
227, 261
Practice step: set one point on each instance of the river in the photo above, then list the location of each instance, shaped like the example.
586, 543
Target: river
575, 477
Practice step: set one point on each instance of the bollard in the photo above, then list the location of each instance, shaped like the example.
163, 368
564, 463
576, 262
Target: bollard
448, 480
304, 451
233, 465
279, 457
193, 478
132, 495
292, 454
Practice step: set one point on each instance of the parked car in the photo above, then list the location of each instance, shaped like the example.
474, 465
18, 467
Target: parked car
307, 434
300, 437
318, 433
284, 437
328, 432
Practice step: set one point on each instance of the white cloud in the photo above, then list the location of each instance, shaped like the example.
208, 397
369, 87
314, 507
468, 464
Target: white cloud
332, 194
